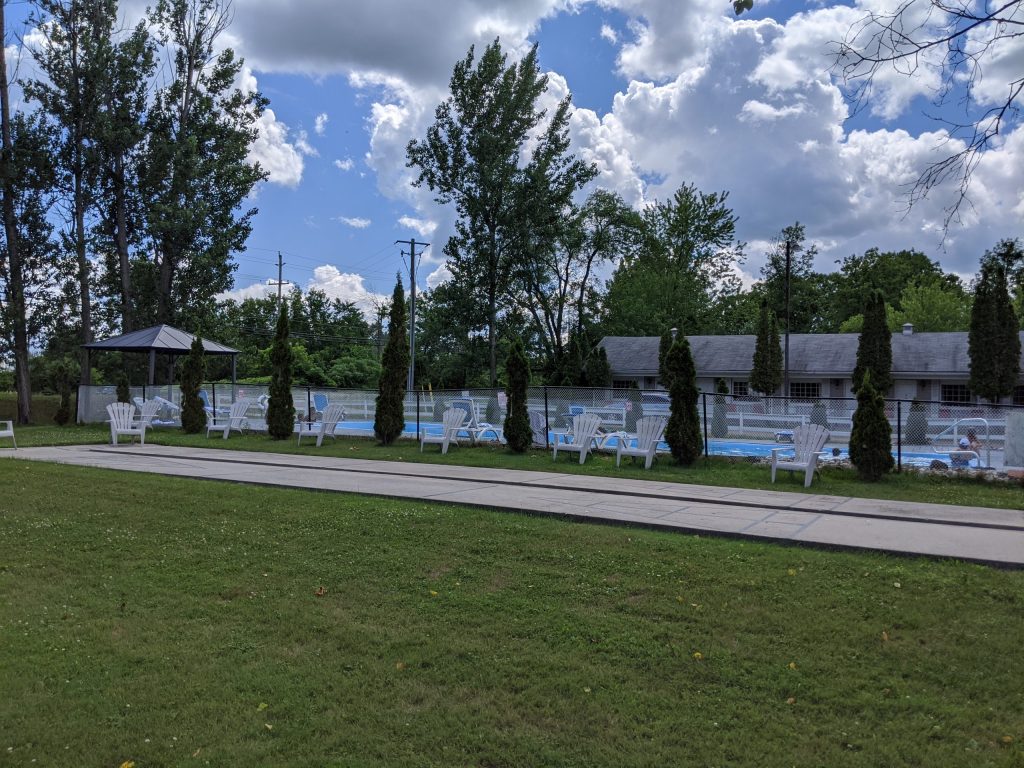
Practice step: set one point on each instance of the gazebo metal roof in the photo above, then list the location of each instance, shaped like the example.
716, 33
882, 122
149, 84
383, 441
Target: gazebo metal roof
161, 339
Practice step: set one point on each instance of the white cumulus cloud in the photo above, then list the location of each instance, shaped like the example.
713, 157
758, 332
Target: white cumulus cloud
354, 222
320, 124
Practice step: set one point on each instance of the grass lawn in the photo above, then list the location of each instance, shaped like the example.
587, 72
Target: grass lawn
908, 486
181, 622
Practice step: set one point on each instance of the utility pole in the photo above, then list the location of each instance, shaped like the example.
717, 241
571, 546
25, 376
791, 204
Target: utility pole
412, 305
280, 280
785, 358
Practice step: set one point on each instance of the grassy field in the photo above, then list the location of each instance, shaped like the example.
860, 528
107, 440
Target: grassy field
179, 622
909, 486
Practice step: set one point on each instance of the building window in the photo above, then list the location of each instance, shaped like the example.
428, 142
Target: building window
740, 388
956, 393
623, 384
805, 390
1018, 395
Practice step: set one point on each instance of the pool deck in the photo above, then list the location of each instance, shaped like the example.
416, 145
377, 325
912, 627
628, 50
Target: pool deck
992, 536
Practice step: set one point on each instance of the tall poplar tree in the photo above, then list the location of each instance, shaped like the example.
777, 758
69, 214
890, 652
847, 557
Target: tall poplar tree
507, 183
389, 416
766, 373
993, 342
874, 349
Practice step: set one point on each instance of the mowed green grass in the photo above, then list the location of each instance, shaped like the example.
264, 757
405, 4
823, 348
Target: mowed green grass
180, 622
965, 489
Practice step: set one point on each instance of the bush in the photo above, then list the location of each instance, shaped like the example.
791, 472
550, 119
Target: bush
634, 407
493, 413
124, 393
916, 430
60, 377
871, 436
683, 432
517, 422
819, 415
193, 416
719, 416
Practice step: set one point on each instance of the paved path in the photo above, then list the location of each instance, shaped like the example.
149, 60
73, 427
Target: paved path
970, 533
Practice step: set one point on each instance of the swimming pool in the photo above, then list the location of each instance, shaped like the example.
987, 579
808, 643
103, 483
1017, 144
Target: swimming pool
716, 447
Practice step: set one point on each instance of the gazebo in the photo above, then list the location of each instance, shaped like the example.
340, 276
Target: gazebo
161, 339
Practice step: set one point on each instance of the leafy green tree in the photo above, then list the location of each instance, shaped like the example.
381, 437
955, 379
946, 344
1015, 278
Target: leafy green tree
916, 430
682, 265
197, 173
871, 436
471, 157
389, 420
874, 349
193, 415
804, 291
719, 416
766, 374
993, 342
890, 272
281, 408
935, 306
683, 433
597, 370
517, 422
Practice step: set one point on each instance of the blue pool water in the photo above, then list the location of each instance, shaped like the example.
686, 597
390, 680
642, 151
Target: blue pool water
736, 448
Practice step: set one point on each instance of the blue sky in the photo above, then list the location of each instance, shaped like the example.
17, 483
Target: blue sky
665, 92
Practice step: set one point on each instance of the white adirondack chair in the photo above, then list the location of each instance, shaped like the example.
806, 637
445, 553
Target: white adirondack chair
584, 429
808, 440
472, 424
122, 422
333, 413
8, 431
234, 420
148, 410
453, 420
539, 428
649, 431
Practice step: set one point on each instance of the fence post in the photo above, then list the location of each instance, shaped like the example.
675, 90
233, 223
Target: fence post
213, 399
899, 435
704, 404
309, 404
547, 426
143, 393
418, 412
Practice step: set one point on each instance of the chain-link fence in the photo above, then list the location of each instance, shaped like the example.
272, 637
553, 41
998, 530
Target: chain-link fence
924, 434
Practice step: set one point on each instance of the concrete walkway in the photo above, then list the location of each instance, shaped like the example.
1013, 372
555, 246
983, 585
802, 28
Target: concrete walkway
992, 536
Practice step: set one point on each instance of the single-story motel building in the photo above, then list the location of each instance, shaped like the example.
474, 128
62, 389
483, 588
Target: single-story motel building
926, 366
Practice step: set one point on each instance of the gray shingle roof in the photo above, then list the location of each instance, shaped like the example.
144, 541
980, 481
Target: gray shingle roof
831, 355
162, 338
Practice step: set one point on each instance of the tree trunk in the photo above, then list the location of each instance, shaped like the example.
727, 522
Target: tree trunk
163, 310
84, 295
121, 243
22, 381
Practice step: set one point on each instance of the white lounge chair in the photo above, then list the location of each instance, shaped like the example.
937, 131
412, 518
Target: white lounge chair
122, 422
333, 413
649, 431
539, 428
808, 440
235, 419
8, 431
452, 422
473, 426
584, 430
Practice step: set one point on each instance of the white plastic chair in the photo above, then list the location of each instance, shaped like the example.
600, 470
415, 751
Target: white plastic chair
649, 431
148, 410
473, 426
235, 419
122, 422
333, 414
452, 422
808, 440
539, 428
584, 429
8, 431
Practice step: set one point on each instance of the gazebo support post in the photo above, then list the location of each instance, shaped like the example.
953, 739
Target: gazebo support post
152, 367
234, 370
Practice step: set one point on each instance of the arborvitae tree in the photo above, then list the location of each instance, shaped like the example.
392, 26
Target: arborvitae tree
193, 416
598, 372
281, 408
819, 415
664, 345
517, 422
874, 351
766, 375
634, 407
124, 392
871, 436
719, 417
916, 430
993, 342
683, 432
389, 420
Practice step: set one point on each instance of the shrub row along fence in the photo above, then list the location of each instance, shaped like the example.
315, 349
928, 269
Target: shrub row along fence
922, 432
